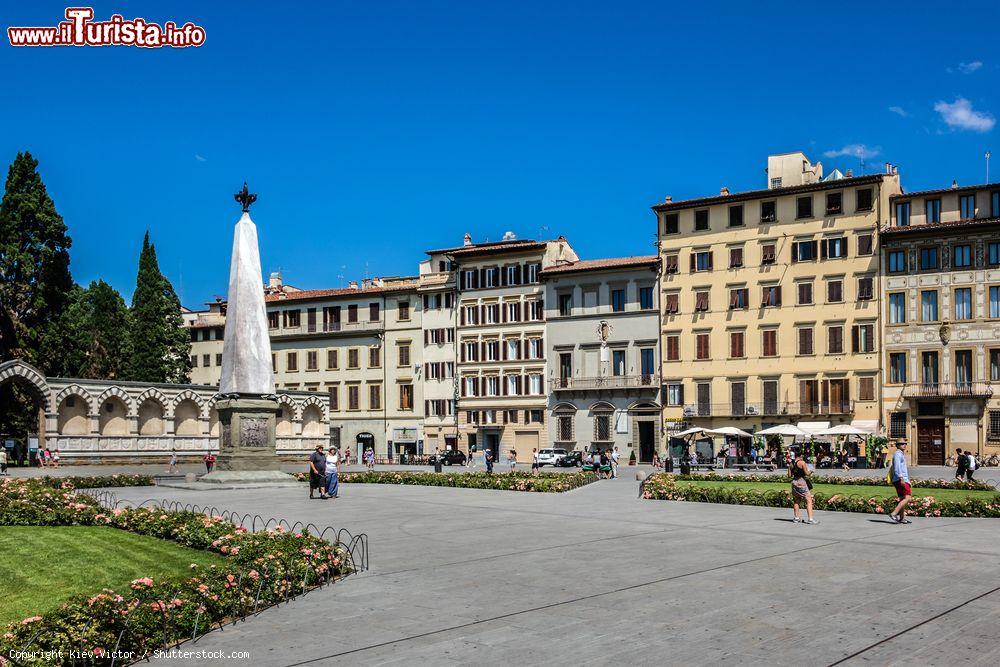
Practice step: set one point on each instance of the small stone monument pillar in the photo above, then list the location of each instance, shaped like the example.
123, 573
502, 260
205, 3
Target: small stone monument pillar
247, 405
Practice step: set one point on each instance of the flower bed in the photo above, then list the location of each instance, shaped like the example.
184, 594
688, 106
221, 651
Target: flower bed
974, 485
546, 482
263, 568
669, 487
98, 482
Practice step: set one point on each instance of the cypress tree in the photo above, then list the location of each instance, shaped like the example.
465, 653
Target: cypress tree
91, 339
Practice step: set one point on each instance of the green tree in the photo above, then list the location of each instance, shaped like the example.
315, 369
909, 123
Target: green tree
35, 281
160, 347
91, 338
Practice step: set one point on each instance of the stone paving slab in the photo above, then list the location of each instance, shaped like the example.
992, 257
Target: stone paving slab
597, 576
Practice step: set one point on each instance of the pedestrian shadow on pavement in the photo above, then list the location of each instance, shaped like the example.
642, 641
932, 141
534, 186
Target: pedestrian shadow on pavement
888, 521
787, 520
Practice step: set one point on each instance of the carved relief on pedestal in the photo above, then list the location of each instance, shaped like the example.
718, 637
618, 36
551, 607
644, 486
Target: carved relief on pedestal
253, 432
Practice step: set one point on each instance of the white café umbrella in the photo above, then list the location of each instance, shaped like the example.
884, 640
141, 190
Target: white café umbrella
843, 429
691, 431
784, 429
729, 430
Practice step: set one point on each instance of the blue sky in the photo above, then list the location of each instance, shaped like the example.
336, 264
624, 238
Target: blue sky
376, 130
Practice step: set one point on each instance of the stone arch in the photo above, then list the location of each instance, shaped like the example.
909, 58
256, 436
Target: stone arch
602, 406
316, 401
119, 393
74, 406
76, 390
293, 405
643, 406
213, 420
188, 395
312, 421
17, 370
114, 414
564, 407
283, 425
187, 417
151, 410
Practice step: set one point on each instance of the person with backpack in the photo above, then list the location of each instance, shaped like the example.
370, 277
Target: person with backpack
900, 478
489, 460
970, 465
961, 464
801, 489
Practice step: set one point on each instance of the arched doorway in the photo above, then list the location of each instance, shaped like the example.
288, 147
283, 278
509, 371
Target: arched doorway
24, 397
364, 441
645, 418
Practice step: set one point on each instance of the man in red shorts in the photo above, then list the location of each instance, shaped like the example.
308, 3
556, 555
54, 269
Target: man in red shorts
901, 480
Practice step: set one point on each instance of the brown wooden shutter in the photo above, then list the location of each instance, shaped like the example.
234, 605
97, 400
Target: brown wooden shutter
694, 261
462, 314
733, 298
855, 338
823, 248
710, 253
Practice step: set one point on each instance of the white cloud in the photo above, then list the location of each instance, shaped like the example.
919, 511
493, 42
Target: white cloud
200, 158
899, 111
959, 115
855, 150
969, 68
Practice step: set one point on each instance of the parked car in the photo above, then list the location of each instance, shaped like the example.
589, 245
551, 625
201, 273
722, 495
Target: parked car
550, 457
453, 456
572, 460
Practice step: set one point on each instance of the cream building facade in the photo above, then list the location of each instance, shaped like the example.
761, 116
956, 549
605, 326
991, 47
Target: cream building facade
941, 291
770, 300
438, 296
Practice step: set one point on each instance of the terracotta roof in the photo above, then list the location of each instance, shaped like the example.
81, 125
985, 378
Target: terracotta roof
937, 227
602, 264
339, 292
490, 248
941, 191
770, 192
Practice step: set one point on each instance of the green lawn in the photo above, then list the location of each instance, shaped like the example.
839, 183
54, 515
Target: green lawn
42, 566
848, 489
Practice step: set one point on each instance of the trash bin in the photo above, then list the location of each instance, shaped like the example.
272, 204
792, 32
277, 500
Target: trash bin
668, 465
437, 464
685, 468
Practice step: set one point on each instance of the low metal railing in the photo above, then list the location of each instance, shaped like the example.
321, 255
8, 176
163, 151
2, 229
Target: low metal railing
605, 382
948, 390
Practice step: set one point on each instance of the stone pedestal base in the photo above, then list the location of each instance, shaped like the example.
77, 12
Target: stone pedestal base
246, 442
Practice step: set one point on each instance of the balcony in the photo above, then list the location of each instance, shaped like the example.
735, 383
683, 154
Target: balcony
948, 390
775, 409
606, 383
328, 328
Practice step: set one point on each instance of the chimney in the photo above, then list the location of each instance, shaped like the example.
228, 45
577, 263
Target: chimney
274, 281
668, 199
352, 285
954, 185
850, 173
467, 240
366, 283
724, 191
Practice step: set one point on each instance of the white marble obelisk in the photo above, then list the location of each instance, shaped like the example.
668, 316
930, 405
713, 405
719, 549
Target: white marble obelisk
246, 348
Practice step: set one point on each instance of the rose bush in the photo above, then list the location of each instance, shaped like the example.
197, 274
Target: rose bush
973, 485
545, 482
662, 486
262, 569
96, 482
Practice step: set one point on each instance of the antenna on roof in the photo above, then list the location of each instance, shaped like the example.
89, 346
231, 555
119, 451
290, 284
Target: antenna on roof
543, 232
987, 166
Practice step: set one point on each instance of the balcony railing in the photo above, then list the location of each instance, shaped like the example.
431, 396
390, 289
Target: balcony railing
327, 328
769, 409
948, 390
605, 383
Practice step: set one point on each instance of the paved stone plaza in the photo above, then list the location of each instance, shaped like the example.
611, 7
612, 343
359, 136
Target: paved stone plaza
598, 576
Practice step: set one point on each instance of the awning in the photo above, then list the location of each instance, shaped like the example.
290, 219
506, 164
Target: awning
866, 425
783, 429
813, 427
729, 430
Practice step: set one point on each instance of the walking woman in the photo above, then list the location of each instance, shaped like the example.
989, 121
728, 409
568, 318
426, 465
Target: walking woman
534, 461
801, 489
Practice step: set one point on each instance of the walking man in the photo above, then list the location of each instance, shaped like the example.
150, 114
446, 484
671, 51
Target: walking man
961, 464
173, 461
614, 462
901, 480
209, 460
317, 472
489, 460
970, 465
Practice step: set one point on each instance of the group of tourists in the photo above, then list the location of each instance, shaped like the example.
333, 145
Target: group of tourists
965, 464
324, 472
604, 462
48, 458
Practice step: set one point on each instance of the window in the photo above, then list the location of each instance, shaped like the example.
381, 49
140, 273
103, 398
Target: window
804, 207
194, 361
805, 293
206, 361
675, 393
864, 198
995, 204
963, 303
897, 425
701, 220
564, 428
602, 427
331, 359
809, 396
928, 258
963, 366
835, 339
929, 306
903, 214
739, 298
738, 398
671, 223
897, 308
565, 304
701, 261
736, 346
535, 384
897, 367
403, 310
353, 358
933, 209
406, 397
768, 211
491, 277
967, 204
866, 289
701, 346
701, 301
834, 291
374, 357
537, 310
404, 355
993, 428
374, 397
672, 306
834, 203
835, 248
533, 270
994, 304
274, 362
770, 296
272, 319
647, 363
352, 312
670, 264
617, 300
292, 319
866, 389
312, 362
736, 215
776, 182
769, 342
704, 399
962, 256
334, 398
804, 251
865, 244
512, 274
513, 311
929, 367
512, 349
373, 312
673, 347
897, 261
291, 361
993, 253
995, 365
735, 258
618, 362
863, 338
353, 400
767, 254
646, 298
805, 341
769, 392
